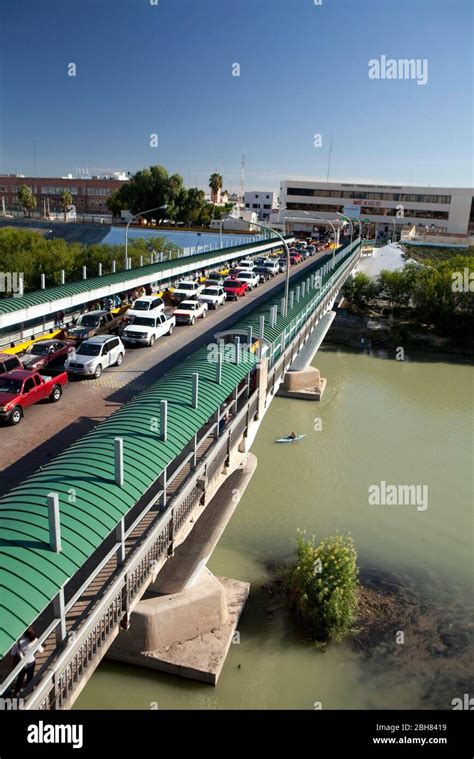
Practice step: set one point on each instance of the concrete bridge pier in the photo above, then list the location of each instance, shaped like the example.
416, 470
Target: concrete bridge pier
303, 380
186, 621
303, 383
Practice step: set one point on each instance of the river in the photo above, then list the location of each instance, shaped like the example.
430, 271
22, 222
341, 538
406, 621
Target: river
402, 422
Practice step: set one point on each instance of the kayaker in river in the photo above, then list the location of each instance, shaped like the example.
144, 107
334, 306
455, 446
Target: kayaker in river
292, 436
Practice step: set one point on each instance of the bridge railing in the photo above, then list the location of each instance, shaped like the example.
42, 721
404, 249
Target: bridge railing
78, 656
103, 624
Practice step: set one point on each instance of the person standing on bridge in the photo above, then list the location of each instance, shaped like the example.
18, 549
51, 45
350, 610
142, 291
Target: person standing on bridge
22, 650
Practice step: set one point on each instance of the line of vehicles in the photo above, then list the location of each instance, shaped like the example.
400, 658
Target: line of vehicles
97, 340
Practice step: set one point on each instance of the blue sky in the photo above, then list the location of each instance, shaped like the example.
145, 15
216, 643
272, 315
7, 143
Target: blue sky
167, 69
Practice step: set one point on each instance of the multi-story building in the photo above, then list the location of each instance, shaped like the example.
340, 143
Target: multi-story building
89, 195
263, 202
384, 207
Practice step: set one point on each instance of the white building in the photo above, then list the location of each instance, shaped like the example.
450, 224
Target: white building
262, 202
240, 219
442, 209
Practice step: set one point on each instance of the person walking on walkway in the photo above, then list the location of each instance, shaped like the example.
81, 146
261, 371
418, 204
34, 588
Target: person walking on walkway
22, 651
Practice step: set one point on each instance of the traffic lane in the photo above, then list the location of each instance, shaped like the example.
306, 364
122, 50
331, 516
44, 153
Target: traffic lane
47, 429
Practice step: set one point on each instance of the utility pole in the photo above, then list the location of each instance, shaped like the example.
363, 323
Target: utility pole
329, 161
242, 178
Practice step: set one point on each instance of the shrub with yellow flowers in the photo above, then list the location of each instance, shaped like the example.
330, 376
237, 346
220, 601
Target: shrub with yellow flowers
322, 586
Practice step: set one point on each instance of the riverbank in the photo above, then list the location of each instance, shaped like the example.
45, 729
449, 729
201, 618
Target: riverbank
389, 333
400, 634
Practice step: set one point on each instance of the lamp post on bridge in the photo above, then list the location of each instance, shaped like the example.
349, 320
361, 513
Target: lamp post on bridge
142, 213
287, 251
346, 218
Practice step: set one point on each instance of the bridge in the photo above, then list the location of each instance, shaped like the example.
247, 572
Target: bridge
89, 542
34, 312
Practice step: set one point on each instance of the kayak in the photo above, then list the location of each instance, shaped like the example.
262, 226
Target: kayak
290, 439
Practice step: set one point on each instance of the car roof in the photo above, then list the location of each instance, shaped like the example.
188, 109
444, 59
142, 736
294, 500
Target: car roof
149, 297
99, 338
4, 356
19, 374
97, 311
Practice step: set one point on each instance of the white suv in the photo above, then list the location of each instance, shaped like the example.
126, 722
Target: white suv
213, 295
95, 355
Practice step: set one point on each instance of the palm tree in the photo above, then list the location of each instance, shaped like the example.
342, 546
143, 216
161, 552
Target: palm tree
215, 183
66, 201
26, 198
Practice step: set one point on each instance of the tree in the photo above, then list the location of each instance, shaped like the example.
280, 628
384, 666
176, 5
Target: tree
66, 202
115, 204
322, 586
361, 291
26, 198
215, 183
395, 287
192, 205
151, 188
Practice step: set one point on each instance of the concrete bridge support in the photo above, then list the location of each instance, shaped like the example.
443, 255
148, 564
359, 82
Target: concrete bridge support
303, 383
187, 619
303, 380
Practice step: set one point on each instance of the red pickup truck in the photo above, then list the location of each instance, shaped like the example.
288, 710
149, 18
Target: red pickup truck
22, 388
234, 288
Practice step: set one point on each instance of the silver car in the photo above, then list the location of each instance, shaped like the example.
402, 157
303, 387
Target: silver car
95, 355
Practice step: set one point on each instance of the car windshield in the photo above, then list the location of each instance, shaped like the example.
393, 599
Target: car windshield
210, 291
186, 286
9, 385
89, 349
232, 283
188, 306
39, 349
141, 305
143, 321
88, 320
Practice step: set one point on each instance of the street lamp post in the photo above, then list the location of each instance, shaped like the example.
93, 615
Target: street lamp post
142, 213
287, 251
346, 218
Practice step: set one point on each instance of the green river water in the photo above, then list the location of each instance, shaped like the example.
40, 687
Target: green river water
402, 422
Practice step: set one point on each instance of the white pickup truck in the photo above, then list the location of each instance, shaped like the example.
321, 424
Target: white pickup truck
250, 276
190, 310
186, 289
144, 330
213, 295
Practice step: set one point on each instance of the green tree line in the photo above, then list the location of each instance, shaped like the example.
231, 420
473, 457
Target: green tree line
22, 250
440, 293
